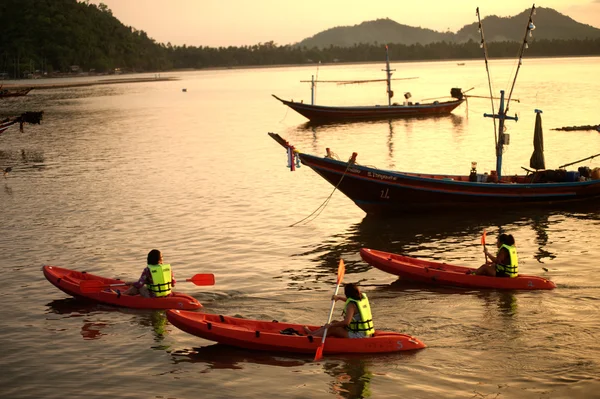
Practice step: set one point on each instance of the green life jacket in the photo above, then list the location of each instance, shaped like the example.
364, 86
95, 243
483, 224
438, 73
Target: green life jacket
161, 280
511, 270
366, 319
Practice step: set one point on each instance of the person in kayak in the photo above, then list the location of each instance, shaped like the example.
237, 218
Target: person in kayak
358, 321
506, 261
156, 279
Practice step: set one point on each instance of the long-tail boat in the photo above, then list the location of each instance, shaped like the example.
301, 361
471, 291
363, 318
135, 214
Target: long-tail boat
384, 192
325, 113
4, 93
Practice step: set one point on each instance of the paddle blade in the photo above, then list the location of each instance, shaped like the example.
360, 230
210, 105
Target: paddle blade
483, 238
341, 272
202, 279
319, 354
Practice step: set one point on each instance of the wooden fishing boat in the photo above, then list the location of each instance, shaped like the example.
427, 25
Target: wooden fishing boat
437, 273
284, 337
325, 114
383, 192
379, 191
5, 93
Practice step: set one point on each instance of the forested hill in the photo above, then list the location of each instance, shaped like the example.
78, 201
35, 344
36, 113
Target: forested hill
57, 37
552, 26
53, 35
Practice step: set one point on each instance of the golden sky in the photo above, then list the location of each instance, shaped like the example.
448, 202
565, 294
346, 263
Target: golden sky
217, 23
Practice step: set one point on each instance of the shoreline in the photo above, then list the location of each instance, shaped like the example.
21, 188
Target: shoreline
58, 85
100, 81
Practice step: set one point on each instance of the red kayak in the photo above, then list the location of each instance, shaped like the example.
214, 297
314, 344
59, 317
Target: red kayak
70, 281
283, 337
444, 274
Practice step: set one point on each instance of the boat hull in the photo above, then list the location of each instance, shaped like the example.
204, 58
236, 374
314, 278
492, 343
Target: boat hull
69, 281
266, 335
442, 274
323, 113
383, 192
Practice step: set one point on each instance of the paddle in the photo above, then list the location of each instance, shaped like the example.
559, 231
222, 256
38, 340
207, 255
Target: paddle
88, 286
340, 277
483, 244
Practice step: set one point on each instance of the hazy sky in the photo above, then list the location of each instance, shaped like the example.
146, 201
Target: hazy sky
217, 23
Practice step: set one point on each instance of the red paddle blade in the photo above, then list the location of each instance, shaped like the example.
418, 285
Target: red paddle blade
341, 272
483, 238
319, 354
202, 279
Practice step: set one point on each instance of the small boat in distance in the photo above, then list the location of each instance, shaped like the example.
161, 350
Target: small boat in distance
325, 114
5, 93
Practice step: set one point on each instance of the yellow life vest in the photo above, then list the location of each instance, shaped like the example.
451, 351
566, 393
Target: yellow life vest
161, 280
511, 270
366, 319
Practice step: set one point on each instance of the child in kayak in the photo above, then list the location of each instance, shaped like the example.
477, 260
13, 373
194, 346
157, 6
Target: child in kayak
358, 321
506, 261
156, 279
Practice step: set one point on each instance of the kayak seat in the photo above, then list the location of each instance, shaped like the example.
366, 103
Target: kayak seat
290, 331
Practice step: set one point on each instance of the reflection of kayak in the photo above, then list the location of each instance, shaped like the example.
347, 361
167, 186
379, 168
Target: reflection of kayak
445, 274
69, 281
267, 335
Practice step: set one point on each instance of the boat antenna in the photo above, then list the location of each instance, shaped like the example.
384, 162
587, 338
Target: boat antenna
501, 137
483, 45
388, 71
524, 45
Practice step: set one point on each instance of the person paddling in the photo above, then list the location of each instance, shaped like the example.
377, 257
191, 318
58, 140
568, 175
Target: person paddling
156, 279
506, 261
358, 321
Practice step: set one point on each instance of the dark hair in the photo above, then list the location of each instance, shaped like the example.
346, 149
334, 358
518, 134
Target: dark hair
507, 239
351, 290
154, 257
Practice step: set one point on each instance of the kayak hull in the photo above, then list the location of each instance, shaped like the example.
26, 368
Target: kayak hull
436, 273
69, 282
267, 336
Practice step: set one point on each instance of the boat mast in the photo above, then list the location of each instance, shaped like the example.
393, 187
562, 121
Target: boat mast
388, 71
501, 137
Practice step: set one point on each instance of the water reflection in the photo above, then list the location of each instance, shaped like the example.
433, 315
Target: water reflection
93, 328
325, 129
218, 356
352, 378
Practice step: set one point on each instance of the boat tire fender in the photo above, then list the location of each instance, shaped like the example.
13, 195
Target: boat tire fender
257, 333
222, 318
209, 326
310, 338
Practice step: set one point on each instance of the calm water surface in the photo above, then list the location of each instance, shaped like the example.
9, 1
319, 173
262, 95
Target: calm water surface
117, 170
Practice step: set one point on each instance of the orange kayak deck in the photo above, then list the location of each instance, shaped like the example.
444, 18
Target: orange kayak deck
267, 335
436, 273
69, 281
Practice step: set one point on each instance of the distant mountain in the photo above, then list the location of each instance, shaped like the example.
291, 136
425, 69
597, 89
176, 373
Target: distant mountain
550, 25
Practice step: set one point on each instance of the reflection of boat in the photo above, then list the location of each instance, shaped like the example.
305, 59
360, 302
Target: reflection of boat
69, 281
267, 335
437, 273
26, 117
219, 356
323, 113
